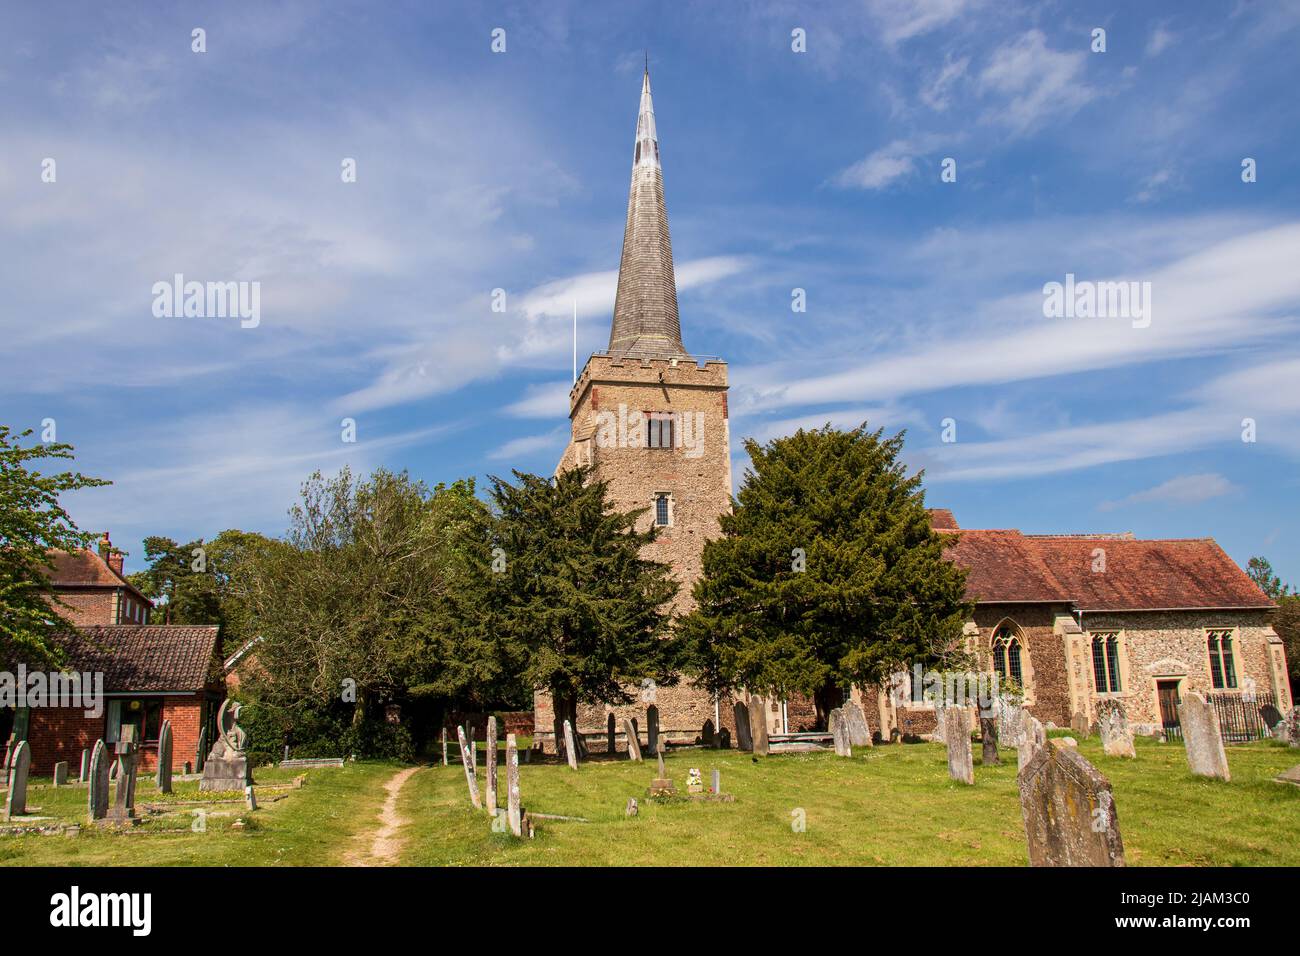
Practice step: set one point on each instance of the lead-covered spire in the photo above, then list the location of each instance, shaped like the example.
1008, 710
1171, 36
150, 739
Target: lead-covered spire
645, 306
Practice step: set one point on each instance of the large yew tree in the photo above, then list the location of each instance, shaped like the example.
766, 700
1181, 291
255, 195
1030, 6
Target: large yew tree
827, 573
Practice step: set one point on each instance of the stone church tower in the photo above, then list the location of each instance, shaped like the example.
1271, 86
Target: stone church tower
652, 421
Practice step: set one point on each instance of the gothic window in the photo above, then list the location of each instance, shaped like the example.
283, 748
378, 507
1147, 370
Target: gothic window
659, 430
1223, 669
1007, 650
1105, 663
663, 514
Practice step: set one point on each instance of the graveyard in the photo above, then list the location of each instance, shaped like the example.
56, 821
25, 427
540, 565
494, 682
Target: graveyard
888, 805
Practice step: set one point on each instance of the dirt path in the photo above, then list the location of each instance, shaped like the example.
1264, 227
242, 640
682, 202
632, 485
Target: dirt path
381, 847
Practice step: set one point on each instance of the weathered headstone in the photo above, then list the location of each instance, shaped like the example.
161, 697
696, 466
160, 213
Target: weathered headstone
1292, 724
123, 808
250, 798
1271, 716
492, 764
20, 764
956, 733
97, 800
859, 732
1068, 811
512, 786
1032, 740
744, 741
85, 766
1116, 737
631, 809
939, 725
839, 728
1202, 737
652, 729
717, 781
1012, 723
201, 751
611, 733
187, 768
570, 746
633, 744
706, 734
10, 746
758, 726
165, 757
471, 778
1079, 723
61, 773
724, 739
473, 747
989, 742
444, 747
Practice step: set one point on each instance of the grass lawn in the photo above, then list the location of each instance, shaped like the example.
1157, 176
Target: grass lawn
889, 806
309, 827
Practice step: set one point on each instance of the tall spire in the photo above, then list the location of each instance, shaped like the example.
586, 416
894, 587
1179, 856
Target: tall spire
645, 305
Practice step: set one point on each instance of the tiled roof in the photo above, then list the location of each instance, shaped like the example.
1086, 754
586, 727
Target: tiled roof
145, 657
941, 519
1002, 566
85, 568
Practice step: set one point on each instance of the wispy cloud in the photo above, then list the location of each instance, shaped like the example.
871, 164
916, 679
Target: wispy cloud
1035, 82
1183, 490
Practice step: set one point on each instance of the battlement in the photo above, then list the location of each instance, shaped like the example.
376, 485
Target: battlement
630, 369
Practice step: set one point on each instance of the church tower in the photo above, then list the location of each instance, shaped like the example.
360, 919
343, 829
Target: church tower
652, 421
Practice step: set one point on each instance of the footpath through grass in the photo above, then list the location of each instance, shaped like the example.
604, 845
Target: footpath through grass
892, 805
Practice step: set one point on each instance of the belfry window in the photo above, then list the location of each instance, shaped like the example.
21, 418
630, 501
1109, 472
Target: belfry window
659, 430
1223, 669
1105, 663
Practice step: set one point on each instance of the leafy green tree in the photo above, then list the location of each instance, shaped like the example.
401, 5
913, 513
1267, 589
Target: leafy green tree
1260, 570
33, 523
827, 573
575, 594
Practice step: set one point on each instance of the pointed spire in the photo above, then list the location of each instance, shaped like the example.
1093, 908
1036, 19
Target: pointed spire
645, 306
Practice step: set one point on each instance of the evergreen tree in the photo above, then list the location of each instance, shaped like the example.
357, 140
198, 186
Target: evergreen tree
574, 592
827, 573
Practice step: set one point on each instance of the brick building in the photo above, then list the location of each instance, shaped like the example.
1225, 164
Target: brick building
1161, 619
93, 590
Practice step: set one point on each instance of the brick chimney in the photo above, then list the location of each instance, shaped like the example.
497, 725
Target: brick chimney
110, 556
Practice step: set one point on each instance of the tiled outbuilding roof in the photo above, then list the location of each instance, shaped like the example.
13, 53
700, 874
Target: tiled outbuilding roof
146, 657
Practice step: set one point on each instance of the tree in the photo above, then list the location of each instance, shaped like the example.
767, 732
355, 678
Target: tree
827, 573
32, 524
1260, 570
574, 592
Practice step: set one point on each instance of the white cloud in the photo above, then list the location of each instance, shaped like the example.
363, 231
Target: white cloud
880, 168
550, 400
1183, 490
1038, 83
903, 19
529, 445
936, 93
1159, 41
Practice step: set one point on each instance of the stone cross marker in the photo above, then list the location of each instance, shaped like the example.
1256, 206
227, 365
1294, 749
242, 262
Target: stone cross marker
758, 726
97, 801
570, 746
123, 807
839, 727
471, 778
1202, 737
492, 764
744, 741
1116, 738
956, 733
989, 742
652, 729
20, 763
61, 773
85, 766
633, 744
611, 732
1069, 811
859, 732
1032, 739
512, 786
165, 757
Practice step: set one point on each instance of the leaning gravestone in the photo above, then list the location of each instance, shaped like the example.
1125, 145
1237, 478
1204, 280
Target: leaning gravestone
989, 742
1069, 812
859, 732
492, 765
956, 732
570, 746
165, 757
1271, 717
1116, 737
19, 766
61, 773
471, 778
633, 744
758, 726
652, 729
839, 728
513, 814
97, 801
226, 767
1202, 738
744, 741
1032, 740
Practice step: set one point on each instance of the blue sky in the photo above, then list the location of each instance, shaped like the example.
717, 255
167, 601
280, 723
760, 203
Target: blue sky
817, 170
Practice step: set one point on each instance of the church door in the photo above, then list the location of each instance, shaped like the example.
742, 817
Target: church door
1167, 692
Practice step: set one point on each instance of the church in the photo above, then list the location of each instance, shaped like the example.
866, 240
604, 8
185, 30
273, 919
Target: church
1074, 619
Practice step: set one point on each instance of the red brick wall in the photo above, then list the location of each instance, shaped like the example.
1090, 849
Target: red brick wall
89, 607
61, 733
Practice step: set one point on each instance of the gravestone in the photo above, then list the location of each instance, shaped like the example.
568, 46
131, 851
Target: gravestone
661, 786
187, 769
1116, 737
1012, 722
1068, 811
744, 741
97, 801
473, 747
444, 747
1292, 724
717, 781
633, 744
10, 746
201, 751
1271, 717
631, 809
61, 774
226, 766
1079, 723
956, 733
1202, 737
513, 815
989, 742
706, 734
724, 739
250, 798
611, 732
20, 763
123, 808
85, 766
652, 729
839, 727
165, 757
859, 732
940, 733
570, 746
758, 726
471, 778
1291, 776
492, 764
1032, 740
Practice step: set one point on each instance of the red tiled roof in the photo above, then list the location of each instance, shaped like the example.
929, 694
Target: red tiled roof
145, 657
941, 519
85, 568
1002, 566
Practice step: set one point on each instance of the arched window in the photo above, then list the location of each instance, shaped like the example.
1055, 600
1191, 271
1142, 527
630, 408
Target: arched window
1223, 669
1105, 663
1006, 652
